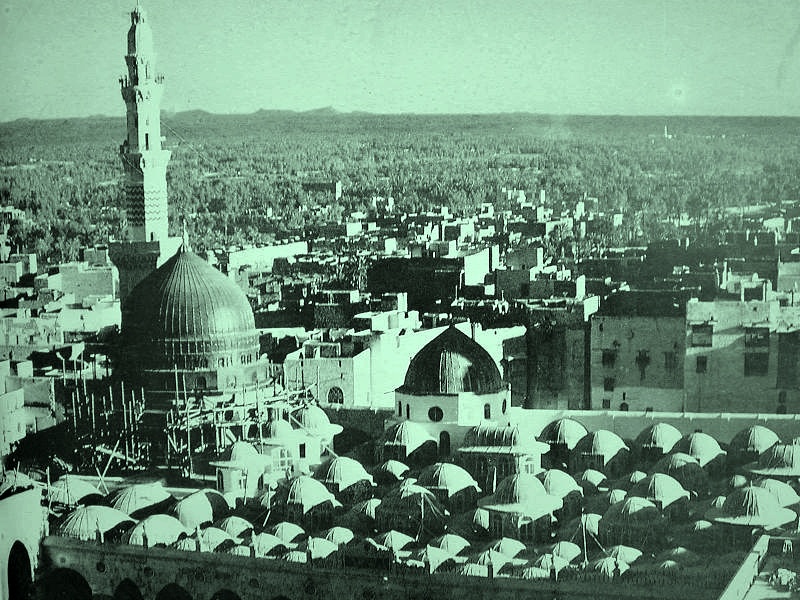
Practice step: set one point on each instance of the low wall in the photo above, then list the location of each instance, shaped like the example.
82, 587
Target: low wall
105, 566
740, 583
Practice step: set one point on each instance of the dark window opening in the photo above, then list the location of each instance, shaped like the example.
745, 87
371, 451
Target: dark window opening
701, 366
606, 402
487, 411
756, 364
147, 141
702, 336
609, 357
608, 384
756, 337
302, 450
408, 411
435, 414
624, 406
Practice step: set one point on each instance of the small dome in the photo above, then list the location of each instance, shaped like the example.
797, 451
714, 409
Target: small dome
564, 432
287, 532
489, 434
567, 550
70, 490
659, 436
592, 480
266, 543
633, 508
508, 546
631, 479
454, 544
452, 363
755, 439
278, 431
236, 526
558, 483
394, 540
660, 488
343, 472
243, 452
781, 460
408, 434
521, 488
159, 529
85, 522
391, 471
752, 506
782, 491
138, 497
339, 535
701, 446
447, 476
675, 461
600, 443
308, 493
314, 420
200, 507
616, 495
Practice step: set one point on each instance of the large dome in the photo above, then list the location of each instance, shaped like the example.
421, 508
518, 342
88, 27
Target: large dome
187, 315
450, 364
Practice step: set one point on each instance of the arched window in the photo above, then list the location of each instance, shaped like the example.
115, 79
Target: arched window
444, 444
408, 411
487, 411
200, 383
505, 406
399, 409
624, 406
335, 395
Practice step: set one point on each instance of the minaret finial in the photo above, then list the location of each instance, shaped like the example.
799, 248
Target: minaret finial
185, 238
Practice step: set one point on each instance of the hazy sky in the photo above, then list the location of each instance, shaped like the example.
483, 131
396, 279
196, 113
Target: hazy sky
730, 57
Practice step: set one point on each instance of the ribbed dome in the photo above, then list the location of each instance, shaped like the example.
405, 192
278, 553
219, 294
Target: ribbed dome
753, 506
408, 434
560, 484
782, 460
660, 488
564, 432
450, 364
309, 493
188, 315
660, 436
447, 476
343, 472
782, 491
756, 439
600, 443
701, 446
522, 488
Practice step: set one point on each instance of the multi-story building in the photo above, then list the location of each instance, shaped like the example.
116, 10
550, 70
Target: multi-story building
742, 357
637, 348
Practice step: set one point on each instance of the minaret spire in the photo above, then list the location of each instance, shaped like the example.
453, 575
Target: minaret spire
143, 158
144, 161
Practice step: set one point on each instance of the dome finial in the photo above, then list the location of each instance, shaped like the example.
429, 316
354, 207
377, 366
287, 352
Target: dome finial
185, 238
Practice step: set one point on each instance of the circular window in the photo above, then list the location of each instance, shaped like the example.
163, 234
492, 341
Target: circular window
435, 414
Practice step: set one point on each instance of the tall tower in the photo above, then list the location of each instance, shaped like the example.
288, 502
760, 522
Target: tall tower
144, 162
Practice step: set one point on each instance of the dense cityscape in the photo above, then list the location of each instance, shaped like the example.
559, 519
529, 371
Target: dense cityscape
317, 354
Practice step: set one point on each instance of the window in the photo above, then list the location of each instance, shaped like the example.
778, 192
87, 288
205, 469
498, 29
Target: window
669, 361
505, 406
408, 411
444, 444
642, 360
701, 365
624, 407
608, 384
399, 409
756, 337
147, 141
756, 364
302, 450
335, 395
487, 411
435, 414
606, 402
702, 336
609, 357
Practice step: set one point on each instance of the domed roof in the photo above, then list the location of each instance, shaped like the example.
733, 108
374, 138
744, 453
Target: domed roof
343, 472
159, 529
565, 432
85, 521
185, 314
660, 488
633, 508
314, 420
391, 471
558, 483
661, 436
136, 497
450, 364
447, 476
782, 460
278, 431
187, 297
784, 493
600, 443
701, 446
408, 434
755, 438
752, 506
521, 488
308, 493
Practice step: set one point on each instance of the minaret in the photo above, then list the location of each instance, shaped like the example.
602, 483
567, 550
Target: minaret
144, 162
